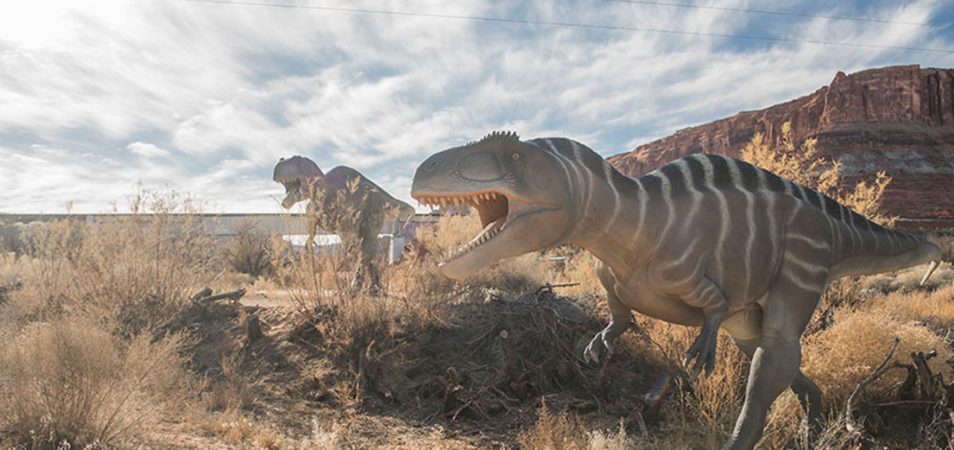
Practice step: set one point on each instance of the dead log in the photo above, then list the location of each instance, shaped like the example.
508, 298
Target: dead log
205, 296
201, 294
548, 288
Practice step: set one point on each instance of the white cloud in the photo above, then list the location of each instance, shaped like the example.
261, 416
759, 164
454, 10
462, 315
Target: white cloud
147, 150
219, 92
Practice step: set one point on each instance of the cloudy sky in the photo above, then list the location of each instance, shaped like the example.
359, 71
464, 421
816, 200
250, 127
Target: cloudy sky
100, 98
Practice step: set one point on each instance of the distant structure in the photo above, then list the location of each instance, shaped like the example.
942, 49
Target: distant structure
292, 227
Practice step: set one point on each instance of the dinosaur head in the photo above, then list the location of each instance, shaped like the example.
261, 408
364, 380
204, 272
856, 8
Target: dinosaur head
523, 204
294, 173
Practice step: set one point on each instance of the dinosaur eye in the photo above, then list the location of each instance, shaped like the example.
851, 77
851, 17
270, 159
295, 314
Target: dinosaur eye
515, 156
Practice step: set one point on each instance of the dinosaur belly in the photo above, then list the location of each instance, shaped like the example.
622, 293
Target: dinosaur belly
659, 306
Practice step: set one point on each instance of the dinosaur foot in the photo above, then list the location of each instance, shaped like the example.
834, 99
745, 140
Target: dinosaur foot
703, 350
592, 353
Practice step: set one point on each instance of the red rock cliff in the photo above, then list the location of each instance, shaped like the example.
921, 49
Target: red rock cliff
897, 119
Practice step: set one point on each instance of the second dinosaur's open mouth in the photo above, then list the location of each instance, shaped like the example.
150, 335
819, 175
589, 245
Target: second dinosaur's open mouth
291, 184
493, 208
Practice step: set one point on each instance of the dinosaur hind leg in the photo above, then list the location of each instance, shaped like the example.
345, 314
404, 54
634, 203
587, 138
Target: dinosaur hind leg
368, 252
786, 311
809, 395
773, 369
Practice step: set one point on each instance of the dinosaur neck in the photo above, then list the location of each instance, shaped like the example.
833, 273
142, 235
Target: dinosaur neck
612, 214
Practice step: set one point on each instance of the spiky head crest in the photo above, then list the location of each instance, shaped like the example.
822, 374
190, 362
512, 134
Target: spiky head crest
498, 136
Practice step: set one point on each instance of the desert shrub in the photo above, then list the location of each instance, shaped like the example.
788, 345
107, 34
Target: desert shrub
702, 410
800, 163
250, 250
13, 238
129, 273
838, 358
69, 382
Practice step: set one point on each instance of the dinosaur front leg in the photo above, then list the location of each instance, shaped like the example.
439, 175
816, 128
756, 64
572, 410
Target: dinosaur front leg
619, 323
707, 296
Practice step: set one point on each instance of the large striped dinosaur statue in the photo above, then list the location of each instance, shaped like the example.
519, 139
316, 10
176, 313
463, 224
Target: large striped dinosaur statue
704, 241
343, 202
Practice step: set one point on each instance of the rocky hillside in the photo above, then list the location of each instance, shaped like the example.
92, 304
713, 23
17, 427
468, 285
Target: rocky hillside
899, 119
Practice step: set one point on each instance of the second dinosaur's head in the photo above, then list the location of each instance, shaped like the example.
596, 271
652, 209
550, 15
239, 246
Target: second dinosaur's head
294, 173
523, 204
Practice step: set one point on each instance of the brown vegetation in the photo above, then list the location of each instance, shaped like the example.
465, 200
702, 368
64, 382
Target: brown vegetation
105, 348
802, 164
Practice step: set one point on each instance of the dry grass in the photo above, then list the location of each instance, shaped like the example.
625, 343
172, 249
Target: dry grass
85, 364
342, 367
67, 381
839, 357
128, 274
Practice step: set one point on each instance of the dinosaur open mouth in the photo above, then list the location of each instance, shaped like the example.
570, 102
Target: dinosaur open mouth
291, 184
493, 208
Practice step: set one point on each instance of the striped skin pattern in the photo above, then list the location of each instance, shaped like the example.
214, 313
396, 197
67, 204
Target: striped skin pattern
716, 242
351, 206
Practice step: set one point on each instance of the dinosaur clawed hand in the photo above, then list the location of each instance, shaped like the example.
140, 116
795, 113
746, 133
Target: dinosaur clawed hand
592, 353
703, 350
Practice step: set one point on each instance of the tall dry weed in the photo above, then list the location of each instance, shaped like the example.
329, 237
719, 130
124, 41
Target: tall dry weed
128, 273
69, 382
83, 364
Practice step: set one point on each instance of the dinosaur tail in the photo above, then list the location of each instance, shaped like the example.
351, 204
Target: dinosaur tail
945, 245
869, 248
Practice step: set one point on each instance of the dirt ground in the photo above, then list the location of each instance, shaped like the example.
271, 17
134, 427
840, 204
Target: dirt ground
295, 396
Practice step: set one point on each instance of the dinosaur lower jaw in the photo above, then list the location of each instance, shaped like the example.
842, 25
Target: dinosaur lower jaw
489, 232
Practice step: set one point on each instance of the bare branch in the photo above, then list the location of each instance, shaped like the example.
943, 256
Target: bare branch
850, 422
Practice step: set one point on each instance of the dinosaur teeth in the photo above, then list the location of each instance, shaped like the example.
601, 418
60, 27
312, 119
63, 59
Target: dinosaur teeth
488, 233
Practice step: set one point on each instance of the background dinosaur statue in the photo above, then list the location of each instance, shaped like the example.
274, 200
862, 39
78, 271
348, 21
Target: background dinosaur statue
703, 241
346, 203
